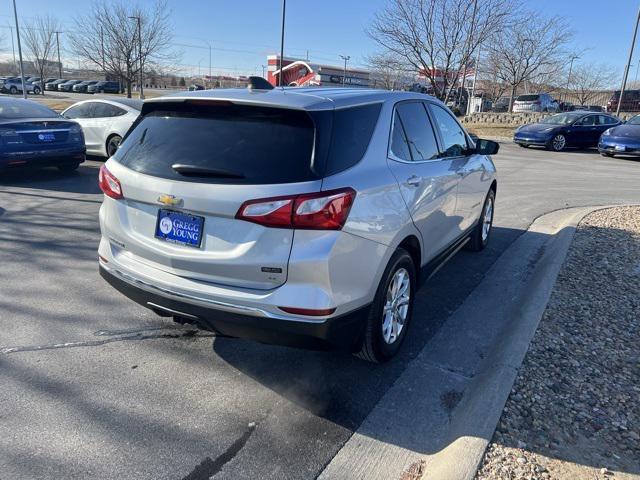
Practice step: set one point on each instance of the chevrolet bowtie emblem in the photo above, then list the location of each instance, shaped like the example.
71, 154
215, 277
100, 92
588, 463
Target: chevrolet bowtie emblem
170, 200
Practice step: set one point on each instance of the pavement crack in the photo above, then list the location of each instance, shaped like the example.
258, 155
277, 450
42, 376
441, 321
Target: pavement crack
454, 371
117, 337
208, 467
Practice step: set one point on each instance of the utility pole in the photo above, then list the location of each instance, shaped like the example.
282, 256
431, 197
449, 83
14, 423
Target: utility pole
346, 58
13, 48
59, 62
141, 74
104, 69
476, 68
566, 90
626, 70
263, 68
24, 87
284, 11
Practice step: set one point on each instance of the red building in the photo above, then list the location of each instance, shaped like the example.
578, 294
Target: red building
303, 73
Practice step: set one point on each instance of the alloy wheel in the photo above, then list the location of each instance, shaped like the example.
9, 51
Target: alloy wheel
487, 219
558, 142
396, 306
113, 145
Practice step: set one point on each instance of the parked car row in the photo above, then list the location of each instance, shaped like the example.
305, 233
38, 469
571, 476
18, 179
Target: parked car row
583, 129
83, 86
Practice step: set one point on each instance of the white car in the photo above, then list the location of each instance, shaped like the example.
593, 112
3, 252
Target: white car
537, 102
104, 122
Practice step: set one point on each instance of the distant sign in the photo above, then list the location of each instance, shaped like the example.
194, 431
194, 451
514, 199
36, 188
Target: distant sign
348, 80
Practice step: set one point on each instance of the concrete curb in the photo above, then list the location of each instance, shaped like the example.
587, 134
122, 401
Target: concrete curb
442, 411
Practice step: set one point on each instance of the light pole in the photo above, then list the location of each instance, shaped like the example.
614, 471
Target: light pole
199, 70
284, 11
13, 48
626, 70
263, 67
566, 90
59, 62
346, 58
140, 92
15, 14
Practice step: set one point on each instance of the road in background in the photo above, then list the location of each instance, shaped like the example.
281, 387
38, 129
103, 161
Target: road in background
98, 386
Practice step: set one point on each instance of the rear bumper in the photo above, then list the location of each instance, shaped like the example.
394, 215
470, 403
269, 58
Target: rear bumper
42, 158
343, 332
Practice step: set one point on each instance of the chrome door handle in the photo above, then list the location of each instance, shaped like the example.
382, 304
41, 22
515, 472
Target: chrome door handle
414, 180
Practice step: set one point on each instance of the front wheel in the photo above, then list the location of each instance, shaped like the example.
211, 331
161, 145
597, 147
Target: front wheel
558, 143
36, 91
479, 239
391, 310
523, 145
13, 90
606, 154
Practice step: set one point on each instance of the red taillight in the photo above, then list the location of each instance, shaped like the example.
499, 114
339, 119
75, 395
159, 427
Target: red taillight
313, 211
109, 184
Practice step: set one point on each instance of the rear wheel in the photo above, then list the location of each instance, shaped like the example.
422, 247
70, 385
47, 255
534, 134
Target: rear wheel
391, 310
68, 167
13, 90
36, 90
480, 237
112, 144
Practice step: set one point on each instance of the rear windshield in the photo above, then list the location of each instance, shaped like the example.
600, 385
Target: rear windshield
225, 144
228, 143
10, 109
528, 98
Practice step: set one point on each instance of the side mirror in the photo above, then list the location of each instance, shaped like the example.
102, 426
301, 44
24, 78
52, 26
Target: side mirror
487, 147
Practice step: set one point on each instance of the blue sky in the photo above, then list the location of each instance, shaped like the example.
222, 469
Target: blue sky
244, 31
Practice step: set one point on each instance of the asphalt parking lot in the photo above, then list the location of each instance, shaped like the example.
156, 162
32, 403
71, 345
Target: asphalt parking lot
94, 386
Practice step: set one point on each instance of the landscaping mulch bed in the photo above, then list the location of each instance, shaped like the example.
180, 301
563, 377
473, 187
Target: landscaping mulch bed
574, 409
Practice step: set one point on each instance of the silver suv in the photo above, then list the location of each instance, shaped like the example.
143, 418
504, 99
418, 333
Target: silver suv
296, 216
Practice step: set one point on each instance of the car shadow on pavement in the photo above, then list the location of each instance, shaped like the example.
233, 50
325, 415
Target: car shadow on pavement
83, 181
342, 388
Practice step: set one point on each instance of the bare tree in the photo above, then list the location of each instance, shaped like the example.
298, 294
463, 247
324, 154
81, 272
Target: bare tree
529, 51
387, 71
107, 38
39, 40
438, 37
588, 80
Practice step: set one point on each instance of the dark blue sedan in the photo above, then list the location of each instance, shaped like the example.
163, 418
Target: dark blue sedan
622, 140
32, 135
564, 130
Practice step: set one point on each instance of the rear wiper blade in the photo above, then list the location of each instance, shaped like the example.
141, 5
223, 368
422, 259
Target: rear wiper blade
198, 171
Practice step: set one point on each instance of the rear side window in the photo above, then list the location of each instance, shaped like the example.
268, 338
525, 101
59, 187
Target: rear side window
528, 98
222, 143
418, 129
606, 120
351, 132
103, 110
84, 110
399, 144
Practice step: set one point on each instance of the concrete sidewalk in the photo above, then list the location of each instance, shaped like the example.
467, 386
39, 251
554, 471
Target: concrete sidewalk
442, 411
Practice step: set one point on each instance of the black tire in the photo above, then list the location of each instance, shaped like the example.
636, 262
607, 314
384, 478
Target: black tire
68, 167
113, 142
557, 143
606, 154
478, 241
374, 348
13, 90
523, 145
36, 90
